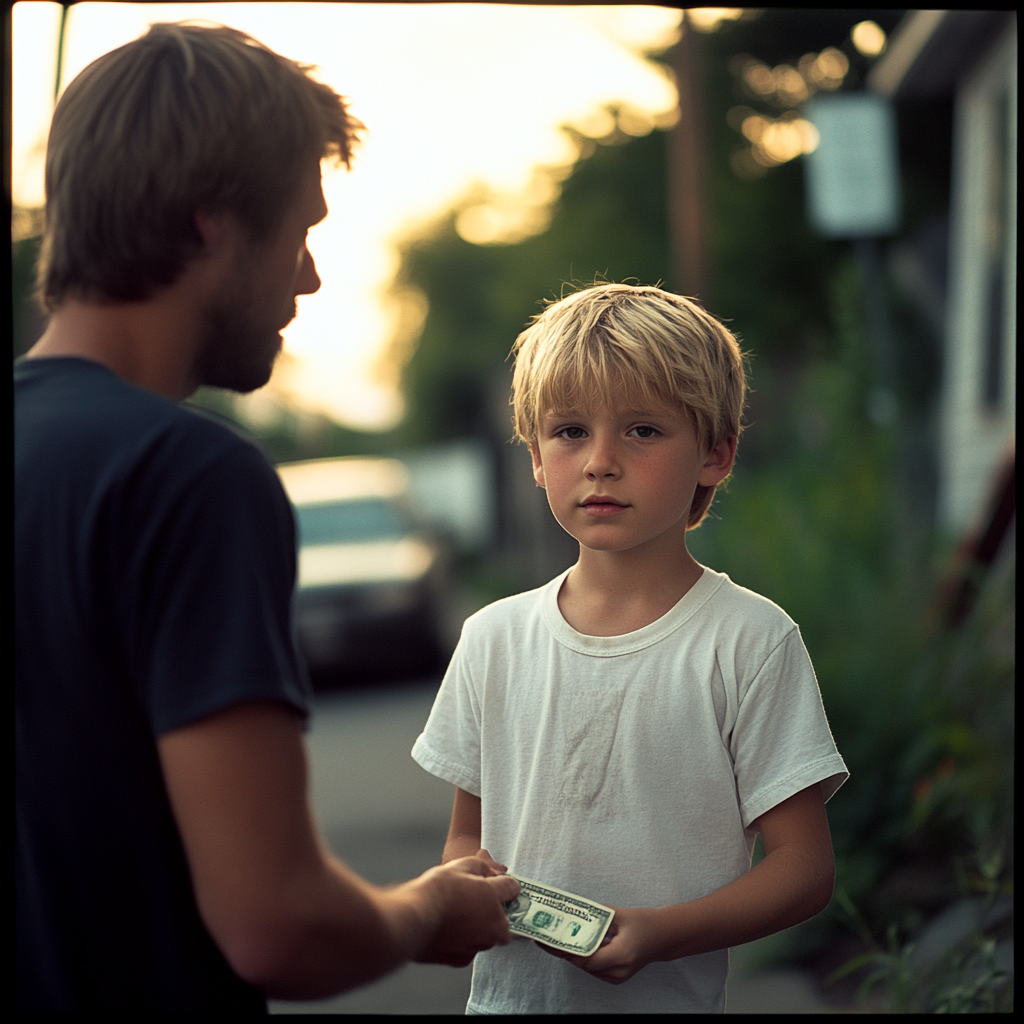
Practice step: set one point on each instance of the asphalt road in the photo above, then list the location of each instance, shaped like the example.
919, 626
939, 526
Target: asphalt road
387, 819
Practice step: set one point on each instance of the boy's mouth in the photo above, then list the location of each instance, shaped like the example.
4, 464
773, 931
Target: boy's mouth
599, 505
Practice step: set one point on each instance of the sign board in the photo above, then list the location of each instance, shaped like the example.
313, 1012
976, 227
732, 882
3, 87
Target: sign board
853, 175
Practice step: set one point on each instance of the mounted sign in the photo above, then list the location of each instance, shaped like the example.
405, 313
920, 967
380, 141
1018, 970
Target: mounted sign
853, 174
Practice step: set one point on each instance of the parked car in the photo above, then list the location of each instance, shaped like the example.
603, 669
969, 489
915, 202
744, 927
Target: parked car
372, 583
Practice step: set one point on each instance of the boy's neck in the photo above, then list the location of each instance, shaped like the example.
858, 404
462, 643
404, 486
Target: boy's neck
611, 593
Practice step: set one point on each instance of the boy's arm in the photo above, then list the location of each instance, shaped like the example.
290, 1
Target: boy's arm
792, 883
464, 831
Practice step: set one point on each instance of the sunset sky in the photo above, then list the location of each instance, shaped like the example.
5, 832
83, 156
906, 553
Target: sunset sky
452, 94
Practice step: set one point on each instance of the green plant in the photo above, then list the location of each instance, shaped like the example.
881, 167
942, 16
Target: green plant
940, 968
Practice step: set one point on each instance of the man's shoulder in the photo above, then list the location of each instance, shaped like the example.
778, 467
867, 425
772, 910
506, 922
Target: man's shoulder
82, 403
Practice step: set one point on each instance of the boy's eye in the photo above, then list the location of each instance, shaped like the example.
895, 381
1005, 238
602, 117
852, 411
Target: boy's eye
571, 433
644, 431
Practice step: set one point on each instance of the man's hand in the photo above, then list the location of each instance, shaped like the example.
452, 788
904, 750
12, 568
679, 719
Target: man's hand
470, 893
631, 943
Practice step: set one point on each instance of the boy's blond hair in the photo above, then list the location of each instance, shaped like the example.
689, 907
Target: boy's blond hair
617, 342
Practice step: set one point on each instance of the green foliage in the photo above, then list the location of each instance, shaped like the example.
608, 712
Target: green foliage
957, 967
25, 316
609, 223
922, 713
771, 274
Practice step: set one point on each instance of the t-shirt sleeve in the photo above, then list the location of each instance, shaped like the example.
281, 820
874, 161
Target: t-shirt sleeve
449, 746
781, 741
209, 594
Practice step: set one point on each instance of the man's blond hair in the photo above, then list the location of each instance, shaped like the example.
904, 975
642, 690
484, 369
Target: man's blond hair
185, 117
615, 343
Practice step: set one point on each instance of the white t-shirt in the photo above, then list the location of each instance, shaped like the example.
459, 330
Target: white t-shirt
626, 769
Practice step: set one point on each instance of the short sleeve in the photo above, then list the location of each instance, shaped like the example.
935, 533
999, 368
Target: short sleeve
449, 746
210, 589
781, 742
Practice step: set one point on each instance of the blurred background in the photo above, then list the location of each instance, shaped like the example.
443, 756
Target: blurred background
840, 187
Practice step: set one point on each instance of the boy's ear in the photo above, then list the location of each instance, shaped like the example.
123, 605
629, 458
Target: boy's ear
719, 462
538, 466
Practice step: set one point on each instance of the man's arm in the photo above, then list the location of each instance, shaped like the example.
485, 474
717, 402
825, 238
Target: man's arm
793, 882
289, 917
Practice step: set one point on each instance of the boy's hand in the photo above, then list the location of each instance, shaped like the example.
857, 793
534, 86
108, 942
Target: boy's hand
630, 944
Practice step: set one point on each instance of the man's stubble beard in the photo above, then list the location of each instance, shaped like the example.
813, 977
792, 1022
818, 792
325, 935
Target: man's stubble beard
236, 352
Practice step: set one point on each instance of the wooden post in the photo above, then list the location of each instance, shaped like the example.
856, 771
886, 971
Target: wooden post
687, 200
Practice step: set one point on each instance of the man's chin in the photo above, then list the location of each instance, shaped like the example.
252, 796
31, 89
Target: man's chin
240, 379
224, 369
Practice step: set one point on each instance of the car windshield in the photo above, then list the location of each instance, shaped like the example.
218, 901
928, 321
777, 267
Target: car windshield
350, 522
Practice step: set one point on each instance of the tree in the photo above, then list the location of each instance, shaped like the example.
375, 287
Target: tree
608, 223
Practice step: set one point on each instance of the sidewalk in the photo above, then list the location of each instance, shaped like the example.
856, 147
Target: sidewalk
421, 989
756, 989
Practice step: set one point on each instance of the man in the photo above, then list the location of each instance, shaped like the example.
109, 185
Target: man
166, 858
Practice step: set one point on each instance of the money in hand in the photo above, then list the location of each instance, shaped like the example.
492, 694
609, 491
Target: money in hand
557, 918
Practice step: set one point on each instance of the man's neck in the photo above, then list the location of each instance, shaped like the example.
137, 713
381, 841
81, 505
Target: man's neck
148, 344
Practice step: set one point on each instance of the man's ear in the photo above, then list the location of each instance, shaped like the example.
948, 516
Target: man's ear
538, 466
214, 228
719, 462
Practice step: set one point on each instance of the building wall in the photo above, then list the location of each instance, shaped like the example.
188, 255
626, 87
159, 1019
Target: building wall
978, 397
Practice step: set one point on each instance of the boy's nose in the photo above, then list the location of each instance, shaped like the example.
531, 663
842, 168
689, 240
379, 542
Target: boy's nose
602, 463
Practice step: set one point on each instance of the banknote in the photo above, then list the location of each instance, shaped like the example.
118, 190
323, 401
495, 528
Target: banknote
557, 918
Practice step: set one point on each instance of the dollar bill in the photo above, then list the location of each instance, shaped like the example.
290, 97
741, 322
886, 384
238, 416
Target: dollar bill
557, 918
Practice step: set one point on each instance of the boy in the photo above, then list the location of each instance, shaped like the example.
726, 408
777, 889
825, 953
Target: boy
624, 732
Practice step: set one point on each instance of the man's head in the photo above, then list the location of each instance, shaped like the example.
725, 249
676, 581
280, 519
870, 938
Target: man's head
185, 119
617, 343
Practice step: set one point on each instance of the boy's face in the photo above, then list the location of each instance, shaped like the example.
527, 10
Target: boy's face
619, 478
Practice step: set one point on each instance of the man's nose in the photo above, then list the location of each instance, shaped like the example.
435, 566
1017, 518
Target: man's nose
308, 280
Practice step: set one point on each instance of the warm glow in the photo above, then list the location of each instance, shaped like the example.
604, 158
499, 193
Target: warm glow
790, 84
829, 68
782, 141
869, 38
760, 78
776, 142
707, 19
455, 96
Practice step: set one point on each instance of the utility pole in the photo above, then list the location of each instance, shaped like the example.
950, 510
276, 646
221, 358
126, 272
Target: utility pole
687, 159
60, 49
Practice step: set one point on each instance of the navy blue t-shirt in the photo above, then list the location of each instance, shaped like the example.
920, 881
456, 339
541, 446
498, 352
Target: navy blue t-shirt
154, 569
